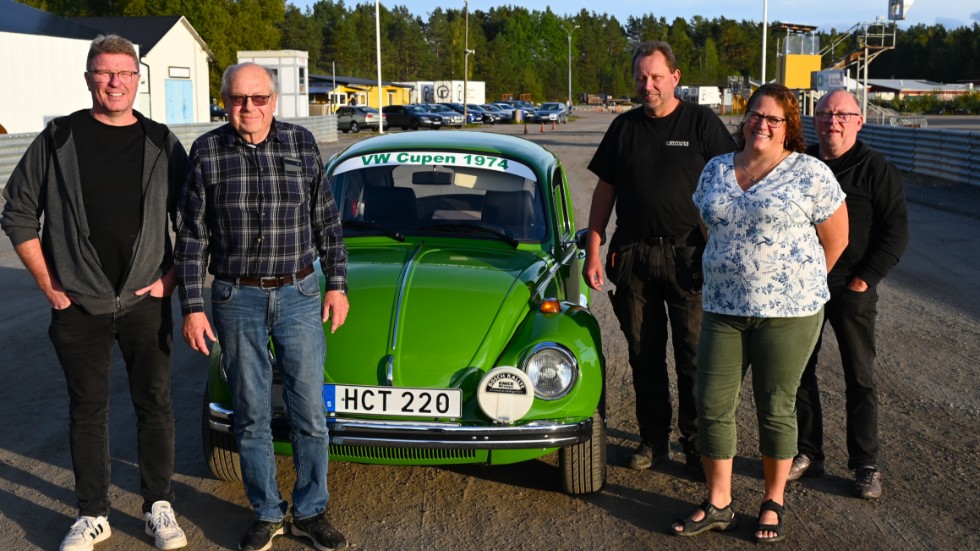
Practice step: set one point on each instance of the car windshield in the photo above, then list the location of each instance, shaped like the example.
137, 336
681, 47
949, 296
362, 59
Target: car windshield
413, 109
551, 107
439, 193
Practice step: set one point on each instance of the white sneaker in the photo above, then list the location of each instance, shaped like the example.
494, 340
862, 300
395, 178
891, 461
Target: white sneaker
161, 524
85, 533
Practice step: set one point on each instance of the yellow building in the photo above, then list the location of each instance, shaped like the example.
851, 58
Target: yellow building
329, 92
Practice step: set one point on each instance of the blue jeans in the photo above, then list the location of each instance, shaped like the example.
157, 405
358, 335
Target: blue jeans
245, 319
84, 345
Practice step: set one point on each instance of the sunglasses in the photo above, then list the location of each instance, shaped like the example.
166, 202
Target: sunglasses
257, 101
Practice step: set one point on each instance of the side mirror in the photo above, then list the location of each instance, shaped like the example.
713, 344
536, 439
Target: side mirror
582, 235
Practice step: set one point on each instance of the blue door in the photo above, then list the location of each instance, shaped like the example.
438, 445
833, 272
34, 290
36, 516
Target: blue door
180, 101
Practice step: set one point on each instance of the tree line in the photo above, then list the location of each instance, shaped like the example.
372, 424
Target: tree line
517, 50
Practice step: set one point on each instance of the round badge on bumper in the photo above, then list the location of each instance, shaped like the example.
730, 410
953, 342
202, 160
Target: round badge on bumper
505, 394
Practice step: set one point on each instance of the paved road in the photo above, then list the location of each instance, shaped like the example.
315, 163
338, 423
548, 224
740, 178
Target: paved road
930, 335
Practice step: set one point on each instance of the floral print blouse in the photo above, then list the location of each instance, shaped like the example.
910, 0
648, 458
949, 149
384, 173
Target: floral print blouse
763, 258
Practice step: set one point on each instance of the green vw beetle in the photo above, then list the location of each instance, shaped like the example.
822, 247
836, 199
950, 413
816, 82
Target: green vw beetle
469, 338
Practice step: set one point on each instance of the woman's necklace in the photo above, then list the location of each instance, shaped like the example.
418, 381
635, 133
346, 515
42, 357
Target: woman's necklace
752, 177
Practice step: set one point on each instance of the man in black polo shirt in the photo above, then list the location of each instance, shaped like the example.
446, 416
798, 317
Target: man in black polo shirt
648, 166
104, 180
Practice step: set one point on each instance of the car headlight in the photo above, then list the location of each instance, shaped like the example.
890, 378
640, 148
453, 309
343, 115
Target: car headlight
552, 369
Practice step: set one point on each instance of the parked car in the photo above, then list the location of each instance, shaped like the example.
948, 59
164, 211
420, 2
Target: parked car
473, 340
551, 111
506, 115
217, 113
472, 118
487, 116
450, 117
351, 118
526, 108
411, 117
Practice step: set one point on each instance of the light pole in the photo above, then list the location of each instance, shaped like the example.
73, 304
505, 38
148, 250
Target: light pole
377, 38
569, 33
466, 57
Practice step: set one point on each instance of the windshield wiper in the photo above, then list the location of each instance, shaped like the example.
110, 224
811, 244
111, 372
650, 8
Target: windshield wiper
371, 225
469, 226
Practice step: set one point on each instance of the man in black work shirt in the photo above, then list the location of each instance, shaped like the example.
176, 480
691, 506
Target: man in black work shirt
648, 166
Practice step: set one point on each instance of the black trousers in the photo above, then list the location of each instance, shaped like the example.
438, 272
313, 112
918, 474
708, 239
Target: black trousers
852, 316
84, 345
658, 285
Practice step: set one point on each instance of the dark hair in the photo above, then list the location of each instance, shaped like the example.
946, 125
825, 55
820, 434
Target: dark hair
653, 46
786, 99
111, 44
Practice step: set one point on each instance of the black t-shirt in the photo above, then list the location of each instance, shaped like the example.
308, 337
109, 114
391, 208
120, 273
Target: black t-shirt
110, 165
655, 164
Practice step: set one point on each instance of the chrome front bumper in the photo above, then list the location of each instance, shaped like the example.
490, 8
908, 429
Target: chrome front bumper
418, 434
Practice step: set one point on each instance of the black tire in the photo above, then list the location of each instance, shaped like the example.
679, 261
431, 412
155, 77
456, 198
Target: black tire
582, 466
353, 127
414, 125
220, 449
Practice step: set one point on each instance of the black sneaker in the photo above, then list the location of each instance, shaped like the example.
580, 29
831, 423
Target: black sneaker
259, 536
325, 537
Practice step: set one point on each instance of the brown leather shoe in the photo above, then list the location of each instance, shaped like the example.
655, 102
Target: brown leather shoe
867, 483
804, 466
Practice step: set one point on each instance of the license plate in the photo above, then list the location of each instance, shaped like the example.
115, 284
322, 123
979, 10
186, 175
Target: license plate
386, 400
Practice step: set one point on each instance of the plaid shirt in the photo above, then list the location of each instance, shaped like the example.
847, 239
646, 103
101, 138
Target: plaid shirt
257, 211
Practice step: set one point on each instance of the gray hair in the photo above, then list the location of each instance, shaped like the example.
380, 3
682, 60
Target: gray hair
826, 97
232, 69
111, 44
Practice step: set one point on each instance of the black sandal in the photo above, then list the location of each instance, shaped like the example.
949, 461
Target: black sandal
770, 505
714, 519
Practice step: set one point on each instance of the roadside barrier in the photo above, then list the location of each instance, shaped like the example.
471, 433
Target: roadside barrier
948, 154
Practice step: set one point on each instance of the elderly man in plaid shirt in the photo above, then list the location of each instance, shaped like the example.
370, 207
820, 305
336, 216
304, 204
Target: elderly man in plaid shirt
256, 212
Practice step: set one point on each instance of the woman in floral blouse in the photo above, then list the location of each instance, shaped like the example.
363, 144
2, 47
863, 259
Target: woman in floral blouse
776, 222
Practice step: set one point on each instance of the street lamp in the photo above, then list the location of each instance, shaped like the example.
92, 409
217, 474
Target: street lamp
569, 33
377, 38
466, 57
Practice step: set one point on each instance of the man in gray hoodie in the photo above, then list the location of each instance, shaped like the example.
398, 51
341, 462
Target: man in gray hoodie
104, 180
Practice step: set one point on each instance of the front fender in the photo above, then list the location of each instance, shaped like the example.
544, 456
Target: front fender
576, 329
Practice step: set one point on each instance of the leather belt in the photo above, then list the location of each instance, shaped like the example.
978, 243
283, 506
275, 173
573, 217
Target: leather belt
664, 241
270, 282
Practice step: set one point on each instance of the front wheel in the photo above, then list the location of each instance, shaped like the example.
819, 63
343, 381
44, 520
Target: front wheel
353, 127
220, 449
582, 466
414, 124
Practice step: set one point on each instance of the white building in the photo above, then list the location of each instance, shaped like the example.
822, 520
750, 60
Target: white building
43, 61
43, 57
447, 91
292, 69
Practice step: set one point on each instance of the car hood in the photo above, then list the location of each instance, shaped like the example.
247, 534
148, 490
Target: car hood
430, 315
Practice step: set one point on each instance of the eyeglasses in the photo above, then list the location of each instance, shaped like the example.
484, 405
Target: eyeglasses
257, 101
756, 118
102, 77
843, 118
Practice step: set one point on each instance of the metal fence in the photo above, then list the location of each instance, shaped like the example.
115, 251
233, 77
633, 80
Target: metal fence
13, 146
949, 154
